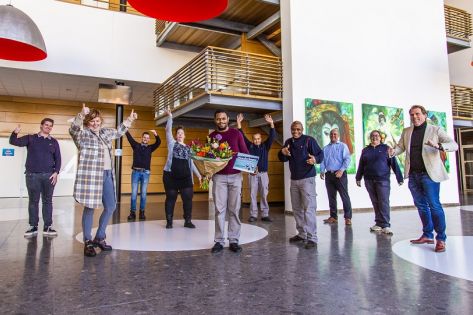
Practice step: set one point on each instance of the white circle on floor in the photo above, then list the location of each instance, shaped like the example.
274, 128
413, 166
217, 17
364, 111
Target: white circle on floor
455, 261
13, 214
153, 235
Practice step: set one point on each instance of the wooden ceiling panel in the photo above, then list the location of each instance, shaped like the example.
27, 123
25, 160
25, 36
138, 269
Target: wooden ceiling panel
201, 38
248, 11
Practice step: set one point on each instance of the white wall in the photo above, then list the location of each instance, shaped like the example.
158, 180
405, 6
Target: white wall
366, 51
461, 70
92, 42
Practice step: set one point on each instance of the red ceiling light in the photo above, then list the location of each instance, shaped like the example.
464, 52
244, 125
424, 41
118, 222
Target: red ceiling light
20, 38
180, 10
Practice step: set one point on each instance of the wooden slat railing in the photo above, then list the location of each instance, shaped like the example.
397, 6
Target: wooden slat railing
462, 102
112, 5
221, 71
458, 23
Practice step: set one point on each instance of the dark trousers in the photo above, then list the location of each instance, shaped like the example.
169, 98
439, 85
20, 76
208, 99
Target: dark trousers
39, 184
340, 185
171, 196
379, 191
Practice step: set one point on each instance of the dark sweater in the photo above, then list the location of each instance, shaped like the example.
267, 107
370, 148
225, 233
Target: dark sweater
44, 155
375, 164
142, 153
300, 149
236, 143
417, 143
261, 150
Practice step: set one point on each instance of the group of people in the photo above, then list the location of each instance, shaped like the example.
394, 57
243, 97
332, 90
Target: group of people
94, 186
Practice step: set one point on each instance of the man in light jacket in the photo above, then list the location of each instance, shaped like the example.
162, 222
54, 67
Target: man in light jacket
425, 170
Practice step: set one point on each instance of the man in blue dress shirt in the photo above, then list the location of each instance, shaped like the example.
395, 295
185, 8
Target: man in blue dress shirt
333, 170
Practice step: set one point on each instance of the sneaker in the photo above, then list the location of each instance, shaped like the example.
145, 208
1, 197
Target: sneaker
49, 231
189, 224
252, 219
234, 247
331, 220
132, 216
32, 231
387, 230
142, 215
102, 244
89, 249
376, 228
310, 244
296, 239
266, 219
217, 248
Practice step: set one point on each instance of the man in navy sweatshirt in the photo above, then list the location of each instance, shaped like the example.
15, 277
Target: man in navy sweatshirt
259, 182
302, 152
43, 163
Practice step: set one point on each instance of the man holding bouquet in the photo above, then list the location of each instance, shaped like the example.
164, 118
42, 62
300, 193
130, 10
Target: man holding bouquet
227, 186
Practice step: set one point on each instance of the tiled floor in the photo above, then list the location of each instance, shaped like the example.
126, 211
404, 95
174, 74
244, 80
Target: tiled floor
352, 271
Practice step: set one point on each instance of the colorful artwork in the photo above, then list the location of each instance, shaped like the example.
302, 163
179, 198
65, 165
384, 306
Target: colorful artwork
389, 121
439, 119
322, 116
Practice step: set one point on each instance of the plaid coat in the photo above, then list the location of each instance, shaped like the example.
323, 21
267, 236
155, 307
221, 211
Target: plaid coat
89, 178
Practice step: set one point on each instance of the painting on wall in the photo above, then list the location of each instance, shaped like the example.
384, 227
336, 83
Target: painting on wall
321, 116
439, 119
388, 120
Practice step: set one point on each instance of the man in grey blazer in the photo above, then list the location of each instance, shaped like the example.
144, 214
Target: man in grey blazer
425, 170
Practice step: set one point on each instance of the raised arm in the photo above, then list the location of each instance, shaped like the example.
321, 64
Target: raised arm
272, 132
19, 142
130, 139
239, 120
241, 144
169, 138
76, 126
157, 140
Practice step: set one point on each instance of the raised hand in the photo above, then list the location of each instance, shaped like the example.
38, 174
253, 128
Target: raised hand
133, 116
85, 109
239, 120
167, 111
285, 151
269, 120
154, 132
311, 159
17, 129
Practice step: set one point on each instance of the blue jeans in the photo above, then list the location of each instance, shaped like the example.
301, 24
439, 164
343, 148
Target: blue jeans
426, 198
109, 205
39, 184
379, 191
141, 178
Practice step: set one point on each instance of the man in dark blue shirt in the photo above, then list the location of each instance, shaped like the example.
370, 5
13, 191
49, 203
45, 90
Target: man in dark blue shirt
43, 163
302, 152
259, 182
141, 170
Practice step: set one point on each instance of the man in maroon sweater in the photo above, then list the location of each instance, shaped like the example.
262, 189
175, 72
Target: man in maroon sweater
227, 186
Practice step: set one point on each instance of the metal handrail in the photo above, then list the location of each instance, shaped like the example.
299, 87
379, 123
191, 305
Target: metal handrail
458, 23
462, 102
106, 5
221, 71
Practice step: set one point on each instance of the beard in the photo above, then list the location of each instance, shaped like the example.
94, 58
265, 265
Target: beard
221, 129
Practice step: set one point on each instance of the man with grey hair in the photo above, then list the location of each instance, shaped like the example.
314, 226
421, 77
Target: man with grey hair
302, 152
334, 171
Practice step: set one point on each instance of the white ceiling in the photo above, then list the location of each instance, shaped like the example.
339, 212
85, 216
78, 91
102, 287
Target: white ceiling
27, 83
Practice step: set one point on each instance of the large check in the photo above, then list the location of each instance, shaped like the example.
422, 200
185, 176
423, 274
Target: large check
246, 162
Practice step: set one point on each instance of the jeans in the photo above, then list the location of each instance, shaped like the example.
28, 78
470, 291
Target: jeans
39, 184
379, 191
334, 184
109, 204
304, 205
139, 178
426, 198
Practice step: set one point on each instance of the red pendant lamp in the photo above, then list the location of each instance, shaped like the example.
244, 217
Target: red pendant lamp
180, 10
20, 38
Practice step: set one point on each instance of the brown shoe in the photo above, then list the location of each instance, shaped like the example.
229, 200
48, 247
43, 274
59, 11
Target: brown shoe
440, 247
347, 221
422, 240
331, 220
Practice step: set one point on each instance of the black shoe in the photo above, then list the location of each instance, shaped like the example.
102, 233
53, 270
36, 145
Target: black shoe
102, 244
49, 231
217, 248
296, 238
89, 249
142, 215
266, 219
189, 224
252, 219
132, 216
310, 244
32, 231
234, 247
169, 225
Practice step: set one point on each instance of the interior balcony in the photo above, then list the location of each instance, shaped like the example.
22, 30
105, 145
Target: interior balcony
459, 29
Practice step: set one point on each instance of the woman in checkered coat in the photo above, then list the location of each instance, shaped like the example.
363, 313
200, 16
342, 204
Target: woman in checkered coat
95, 186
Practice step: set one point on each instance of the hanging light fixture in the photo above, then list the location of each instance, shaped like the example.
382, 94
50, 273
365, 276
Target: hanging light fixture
20, 38
180, 10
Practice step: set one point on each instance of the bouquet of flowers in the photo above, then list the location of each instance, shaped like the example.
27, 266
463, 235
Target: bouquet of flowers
210, 157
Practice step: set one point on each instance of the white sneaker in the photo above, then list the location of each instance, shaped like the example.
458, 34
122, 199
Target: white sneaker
387, 230
375, 228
